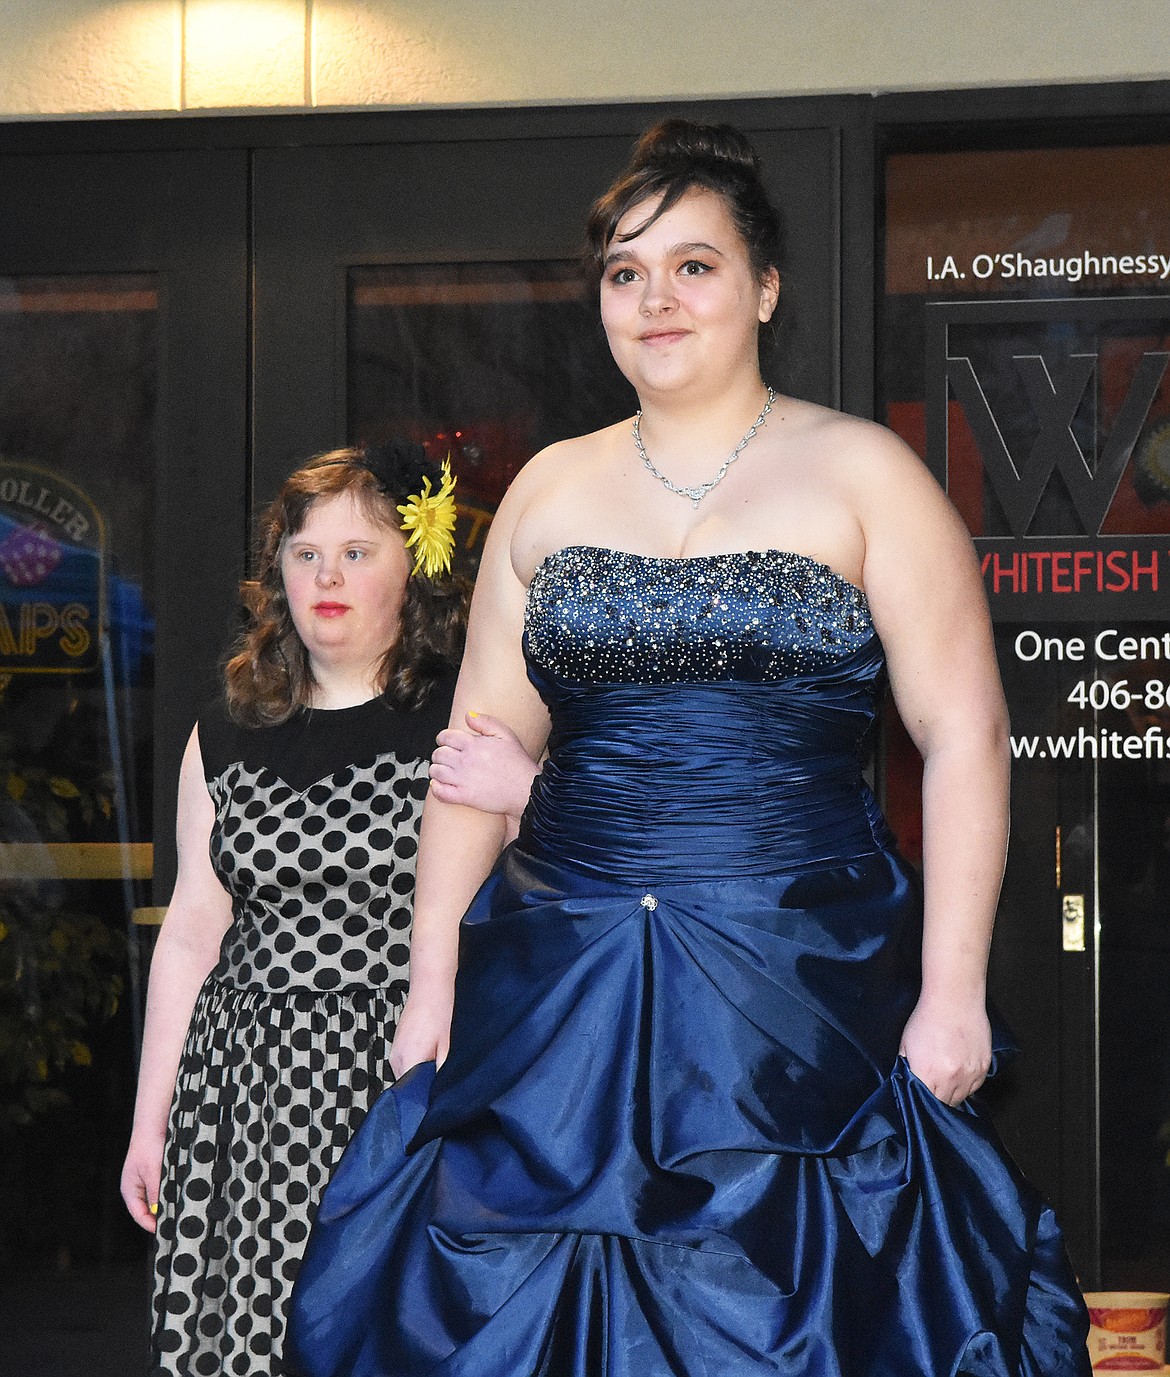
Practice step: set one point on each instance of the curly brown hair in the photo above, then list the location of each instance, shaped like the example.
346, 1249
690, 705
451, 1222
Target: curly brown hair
267, 676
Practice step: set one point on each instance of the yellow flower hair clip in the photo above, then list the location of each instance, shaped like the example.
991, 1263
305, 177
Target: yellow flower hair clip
429, 517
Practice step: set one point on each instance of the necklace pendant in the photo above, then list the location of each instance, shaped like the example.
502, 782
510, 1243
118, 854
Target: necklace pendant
696, 494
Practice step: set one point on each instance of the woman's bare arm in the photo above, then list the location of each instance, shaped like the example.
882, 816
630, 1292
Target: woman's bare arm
458, 845
927, 599
188, 944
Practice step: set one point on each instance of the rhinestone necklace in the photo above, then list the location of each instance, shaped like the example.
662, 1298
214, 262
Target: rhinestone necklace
697, 493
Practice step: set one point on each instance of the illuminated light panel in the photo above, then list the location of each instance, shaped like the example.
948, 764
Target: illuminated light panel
244, 53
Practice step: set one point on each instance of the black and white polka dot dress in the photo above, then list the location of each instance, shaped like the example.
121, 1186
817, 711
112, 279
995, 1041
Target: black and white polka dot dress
315, 834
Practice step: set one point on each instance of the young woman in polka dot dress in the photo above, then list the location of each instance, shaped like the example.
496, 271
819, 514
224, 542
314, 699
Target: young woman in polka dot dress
282, 965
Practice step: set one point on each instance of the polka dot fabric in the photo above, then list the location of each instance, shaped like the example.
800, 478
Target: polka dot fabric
321, 880
290, 1038
269, 1094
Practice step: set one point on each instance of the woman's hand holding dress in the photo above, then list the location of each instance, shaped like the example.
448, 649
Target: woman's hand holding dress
948, 1049
423, 1031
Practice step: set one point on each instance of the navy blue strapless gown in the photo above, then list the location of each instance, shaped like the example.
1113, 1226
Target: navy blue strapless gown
674, 1137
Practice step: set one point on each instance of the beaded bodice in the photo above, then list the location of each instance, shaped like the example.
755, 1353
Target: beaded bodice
603, 615
707, 713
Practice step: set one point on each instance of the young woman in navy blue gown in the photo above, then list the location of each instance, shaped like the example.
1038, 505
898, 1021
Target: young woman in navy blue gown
705, 1044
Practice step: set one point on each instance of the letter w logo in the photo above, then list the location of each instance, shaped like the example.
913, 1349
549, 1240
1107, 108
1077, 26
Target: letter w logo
1056, 377
1055, 401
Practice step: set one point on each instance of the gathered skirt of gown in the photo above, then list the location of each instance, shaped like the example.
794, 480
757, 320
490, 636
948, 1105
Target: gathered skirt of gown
674, 1136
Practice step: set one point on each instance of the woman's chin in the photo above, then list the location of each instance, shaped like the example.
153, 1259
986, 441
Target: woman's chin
334, 649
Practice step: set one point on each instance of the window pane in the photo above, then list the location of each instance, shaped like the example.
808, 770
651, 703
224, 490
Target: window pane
489, 362
78, 399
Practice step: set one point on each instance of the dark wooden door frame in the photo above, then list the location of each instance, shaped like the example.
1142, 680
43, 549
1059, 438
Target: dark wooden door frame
848, 118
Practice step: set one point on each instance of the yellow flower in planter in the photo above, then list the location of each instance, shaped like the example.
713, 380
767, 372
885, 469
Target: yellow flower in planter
429, 517
81, 1054
64, 788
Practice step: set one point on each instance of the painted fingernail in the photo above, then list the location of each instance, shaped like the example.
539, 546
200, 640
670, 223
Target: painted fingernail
473, 714
154, 1208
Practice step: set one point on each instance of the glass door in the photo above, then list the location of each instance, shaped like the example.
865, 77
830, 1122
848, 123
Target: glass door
1025, 347
485, 362
122, 481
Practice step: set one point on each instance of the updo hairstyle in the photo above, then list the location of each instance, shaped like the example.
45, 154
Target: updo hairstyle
674, 157
268, 677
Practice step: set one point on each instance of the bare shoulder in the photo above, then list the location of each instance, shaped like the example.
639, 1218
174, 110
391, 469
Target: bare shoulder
565, 457
915, 541
547, 488
854, 465
863, 451
875, 470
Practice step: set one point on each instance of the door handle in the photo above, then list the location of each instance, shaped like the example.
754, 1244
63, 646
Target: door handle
1072, 913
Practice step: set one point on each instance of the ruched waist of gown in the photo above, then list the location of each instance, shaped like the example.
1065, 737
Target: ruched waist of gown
760, 779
